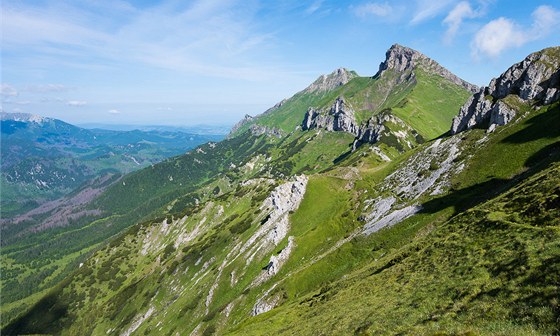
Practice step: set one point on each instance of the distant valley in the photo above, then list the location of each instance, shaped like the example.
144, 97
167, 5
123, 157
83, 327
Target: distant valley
44, 158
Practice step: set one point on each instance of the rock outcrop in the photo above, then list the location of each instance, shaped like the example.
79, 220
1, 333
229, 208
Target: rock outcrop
247, 119
331, 81
403, 60
375, 128
339, 117
370, 132
257, 130
534, 80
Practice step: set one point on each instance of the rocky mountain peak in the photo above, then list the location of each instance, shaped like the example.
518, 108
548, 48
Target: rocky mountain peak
536, 79
404, 60
401, 58
331, 81
23, 117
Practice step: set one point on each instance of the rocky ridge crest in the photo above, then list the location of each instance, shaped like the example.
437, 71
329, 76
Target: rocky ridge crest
331, 81
403, 60
534, 80
341, 116
246, 119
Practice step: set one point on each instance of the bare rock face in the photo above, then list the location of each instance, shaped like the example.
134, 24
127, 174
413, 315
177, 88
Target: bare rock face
404, 60
257, 130
536, 79
339, 117
331, 81
247, 119
371, 131
374, 129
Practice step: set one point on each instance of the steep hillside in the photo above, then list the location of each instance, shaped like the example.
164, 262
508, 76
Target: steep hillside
319, 231
44, 158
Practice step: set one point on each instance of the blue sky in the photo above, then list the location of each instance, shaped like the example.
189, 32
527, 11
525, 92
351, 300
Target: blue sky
212, 61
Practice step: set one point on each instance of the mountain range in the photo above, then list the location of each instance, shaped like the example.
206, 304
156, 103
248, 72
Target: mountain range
44, 158
410, 202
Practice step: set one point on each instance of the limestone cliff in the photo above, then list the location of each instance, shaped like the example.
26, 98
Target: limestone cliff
535, 80
339, 117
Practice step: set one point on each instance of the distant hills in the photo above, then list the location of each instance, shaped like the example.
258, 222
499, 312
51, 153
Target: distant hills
44, 158
196, 129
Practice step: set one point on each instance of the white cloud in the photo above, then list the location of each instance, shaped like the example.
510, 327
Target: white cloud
114, 111
373, 8
76, 103
545, 21
427, 9
213, 38
315, 6
7, 90
455, 18
501, 34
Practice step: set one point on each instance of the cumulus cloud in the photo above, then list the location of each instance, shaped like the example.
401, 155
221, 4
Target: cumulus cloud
373, 9
7, 90
76, 103
114, 111
503, 33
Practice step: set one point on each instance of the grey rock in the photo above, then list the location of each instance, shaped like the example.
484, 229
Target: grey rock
404, 60
474, 112
501, 114
536, 79
247, 119
552, 95
257, 130
339, 117
331, 81
374, 129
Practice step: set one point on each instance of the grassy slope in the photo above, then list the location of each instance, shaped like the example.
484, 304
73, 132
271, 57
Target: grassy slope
492, 269
41, 260
151, 193
431, 104
427, 105
488, 270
